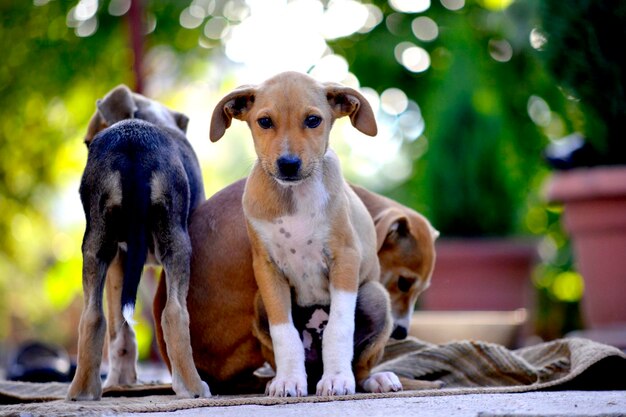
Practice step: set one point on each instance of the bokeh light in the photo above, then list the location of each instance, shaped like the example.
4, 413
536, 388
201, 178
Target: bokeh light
331, 68
495, 4
410, 6
279, 38
415, 59
191, 17
343, 18
537, 39
215, 28
453, 4
568, 286
118, 7
374, 18
394, 101
539, 111
85, 9
500, 50
424, 28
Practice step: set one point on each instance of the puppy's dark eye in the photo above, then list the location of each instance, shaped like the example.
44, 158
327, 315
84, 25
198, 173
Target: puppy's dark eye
312, 122
265, 123
405, 284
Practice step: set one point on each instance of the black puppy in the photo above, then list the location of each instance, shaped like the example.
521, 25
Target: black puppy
140, 184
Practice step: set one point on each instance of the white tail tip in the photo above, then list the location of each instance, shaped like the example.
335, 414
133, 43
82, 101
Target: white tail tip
128, 312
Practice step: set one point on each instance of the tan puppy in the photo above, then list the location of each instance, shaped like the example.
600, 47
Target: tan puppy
221, 304
141, 181
313, 241
406, 252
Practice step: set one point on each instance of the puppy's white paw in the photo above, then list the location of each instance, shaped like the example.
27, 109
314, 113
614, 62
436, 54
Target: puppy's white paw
293, 386
382, 382
338, 384
206, 392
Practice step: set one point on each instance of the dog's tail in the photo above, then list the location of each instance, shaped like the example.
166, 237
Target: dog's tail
136, 196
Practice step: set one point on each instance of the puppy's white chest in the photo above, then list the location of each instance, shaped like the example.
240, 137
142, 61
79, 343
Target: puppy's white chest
297, 244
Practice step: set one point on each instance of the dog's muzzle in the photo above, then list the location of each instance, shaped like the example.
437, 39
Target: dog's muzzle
289, 168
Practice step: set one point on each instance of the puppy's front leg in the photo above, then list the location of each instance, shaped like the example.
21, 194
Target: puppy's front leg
290, 379
338, 338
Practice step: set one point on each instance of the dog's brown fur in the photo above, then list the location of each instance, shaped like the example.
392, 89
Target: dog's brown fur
141, 181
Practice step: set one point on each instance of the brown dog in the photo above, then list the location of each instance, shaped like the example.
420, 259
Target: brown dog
141, 181
222, 308
406, 252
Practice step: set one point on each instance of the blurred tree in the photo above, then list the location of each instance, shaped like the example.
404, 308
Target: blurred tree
484, 151
60, 57
48, 80
580, 52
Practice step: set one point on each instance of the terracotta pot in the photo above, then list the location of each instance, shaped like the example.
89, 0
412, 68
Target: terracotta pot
500, 327
595, 217
481, 274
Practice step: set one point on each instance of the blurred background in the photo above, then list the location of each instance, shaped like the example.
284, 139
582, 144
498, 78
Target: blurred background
465, 96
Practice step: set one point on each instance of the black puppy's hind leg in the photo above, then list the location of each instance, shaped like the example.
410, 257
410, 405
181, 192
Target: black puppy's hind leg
372, 330
169, 218
97, 254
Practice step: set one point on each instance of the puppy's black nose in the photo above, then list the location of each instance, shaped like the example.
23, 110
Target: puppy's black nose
289, 167
399, 333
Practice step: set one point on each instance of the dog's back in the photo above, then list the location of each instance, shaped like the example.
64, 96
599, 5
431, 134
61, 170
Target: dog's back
136, 176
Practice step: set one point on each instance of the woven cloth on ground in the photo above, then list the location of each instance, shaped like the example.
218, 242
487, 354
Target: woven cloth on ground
465, 367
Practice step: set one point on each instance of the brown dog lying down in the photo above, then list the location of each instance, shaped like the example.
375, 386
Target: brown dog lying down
222, 292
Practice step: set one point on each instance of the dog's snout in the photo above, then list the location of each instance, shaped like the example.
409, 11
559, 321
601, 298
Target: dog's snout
399, 333
289, 167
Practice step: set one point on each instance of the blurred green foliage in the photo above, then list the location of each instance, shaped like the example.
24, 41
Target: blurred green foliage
581, 52
484, 151
49, 80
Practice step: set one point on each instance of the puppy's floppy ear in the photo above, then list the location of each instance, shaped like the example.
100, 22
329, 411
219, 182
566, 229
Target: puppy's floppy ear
235, 104
96, 124
391, 225
434, 233
181, 120
117, 105
346, 101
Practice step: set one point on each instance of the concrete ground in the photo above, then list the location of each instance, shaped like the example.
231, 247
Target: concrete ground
535, 404
559, 403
